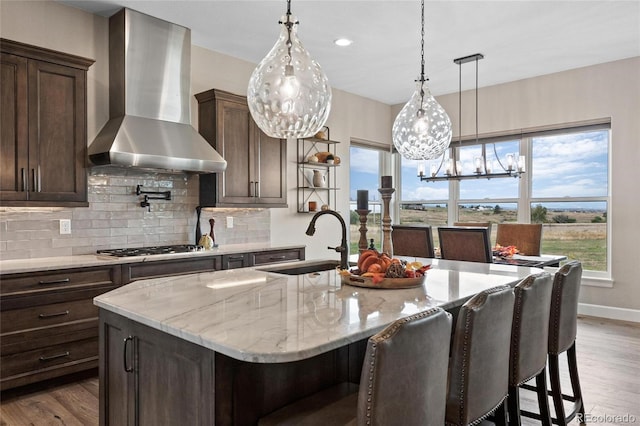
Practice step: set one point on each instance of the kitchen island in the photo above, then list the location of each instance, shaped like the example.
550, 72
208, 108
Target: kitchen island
227, 347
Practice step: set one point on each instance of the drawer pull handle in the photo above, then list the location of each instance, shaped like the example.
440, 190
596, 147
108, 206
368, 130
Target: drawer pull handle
52, 357
127, 368
277, 257
236, 257
63, 280
57, 314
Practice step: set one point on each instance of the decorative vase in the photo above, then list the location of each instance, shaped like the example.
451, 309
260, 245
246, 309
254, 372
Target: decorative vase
319, 179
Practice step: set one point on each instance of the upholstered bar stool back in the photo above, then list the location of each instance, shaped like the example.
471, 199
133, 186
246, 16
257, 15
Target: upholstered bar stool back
529, 336
403, 381
412, 241
562, 338
526, 237
479, 365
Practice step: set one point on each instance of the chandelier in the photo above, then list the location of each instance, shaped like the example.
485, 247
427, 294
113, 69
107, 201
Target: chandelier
289, 95
483, 167
422, 129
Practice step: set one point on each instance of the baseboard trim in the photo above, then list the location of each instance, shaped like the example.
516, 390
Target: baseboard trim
621, 314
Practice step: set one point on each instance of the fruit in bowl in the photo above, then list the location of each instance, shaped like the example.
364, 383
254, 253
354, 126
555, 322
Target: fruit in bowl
379, 266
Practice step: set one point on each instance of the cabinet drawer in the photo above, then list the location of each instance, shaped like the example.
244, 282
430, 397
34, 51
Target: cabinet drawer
238, 260
136, 271
39, 282
30, 339
49, 357
266, 257
47, 315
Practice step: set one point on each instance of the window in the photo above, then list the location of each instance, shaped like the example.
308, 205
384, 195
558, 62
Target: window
565, 187
366, 162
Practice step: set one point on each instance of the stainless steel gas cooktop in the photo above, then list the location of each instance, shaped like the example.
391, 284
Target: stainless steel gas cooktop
146, 251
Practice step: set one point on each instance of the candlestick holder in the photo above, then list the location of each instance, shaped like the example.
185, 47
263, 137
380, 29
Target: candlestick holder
362, 243
387, 246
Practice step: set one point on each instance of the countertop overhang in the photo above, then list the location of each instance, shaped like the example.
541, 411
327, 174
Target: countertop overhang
266, 317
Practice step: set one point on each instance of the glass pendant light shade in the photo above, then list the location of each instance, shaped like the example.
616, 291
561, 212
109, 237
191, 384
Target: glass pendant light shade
289, 94
422, 129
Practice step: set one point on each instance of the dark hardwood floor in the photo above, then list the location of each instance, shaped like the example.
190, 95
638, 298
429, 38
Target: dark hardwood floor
608, 362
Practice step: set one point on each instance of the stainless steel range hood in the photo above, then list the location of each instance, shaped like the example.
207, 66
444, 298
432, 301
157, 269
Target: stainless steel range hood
149, 112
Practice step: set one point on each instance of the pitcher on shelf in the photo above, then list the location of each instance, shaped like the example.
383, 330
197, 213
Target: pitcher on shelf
319, 179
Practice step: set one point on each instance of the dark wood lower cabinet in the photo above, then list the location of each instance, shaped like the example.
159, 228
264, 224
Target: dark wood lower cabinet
150, 377
48, 323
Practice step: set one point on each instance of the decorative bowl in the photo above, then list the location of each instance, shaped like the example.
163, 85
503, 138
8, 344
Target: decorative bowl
386, 283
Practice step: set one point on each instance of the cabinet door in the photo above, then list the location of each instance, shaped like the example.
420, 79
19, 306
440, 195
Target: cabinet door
117, 402
271, 168
14, 128
174, 380
233, 140
57, 133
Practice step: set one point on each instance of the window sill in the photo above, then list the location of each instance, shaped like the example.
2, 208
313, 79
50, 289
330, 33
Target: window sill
597, 281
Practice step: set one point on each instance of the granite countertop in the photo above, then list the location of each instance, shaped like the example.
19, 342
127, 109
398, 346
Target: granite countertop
86, 260
266, 317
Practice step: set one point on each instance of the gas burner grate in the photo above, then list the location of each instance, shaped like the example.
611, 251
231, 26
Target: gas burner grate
147, 251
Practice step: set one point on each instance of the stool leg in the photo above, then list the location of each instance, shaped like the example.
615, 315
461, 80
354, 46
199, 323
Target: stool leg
501, 414
513, 405
575, 381
543, 398
556, 390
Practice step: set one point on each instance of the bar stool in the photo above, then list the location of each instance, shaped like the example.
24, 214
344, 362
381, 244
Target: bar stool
479, 365
529, 337
404, 379
562, 338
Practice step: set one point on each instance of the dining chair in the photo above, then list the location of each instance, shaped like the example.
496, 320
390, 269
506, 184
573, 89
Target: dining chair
474, 225
465, 243
527, 237
404, 379
479, 365
412, 241
529, 337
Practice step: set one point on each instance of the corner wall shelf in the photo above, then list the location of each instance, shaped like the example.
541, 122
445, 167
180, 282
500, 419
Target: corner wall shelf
322, 195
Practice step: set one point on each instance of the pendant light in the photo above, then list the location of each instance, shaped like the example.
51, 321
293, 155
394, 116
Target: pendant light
289, 94
422, 129
482, 166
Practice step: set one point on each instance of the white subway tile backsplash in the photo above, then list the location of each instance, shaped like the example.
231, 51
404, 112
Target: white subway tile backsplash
115, 219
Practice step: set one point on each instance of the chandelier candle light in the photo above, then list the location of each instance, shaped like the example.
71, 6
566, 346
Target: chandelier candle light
289, 95
482, 167
422, 129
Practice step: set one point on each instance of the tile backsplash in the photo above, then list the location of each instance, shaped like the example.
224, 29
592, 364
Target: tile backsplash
115, 218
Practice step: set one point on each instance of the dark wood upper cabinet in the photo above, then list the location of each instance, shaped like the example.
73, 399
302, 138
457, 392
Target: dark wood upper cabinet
256, 172
44, 127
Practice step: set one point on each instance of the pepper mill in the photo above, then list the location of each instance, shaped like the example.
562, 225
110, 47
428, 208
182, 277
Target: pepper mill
198, 230
211, 234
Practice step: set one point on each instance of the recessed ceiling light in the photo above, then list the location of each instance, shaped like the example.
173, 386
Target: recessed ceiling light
343, 42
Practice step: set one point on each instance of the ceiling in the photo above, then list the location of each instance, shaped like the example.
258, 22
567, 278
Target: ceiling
519, 39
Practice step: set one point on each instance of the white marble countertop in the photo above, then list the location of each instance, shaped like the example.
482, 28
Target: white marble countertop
86, 260
266, 317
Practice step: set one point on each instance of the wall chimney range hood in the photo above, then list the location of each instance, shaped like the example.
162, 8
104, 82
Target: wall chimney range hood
149, 104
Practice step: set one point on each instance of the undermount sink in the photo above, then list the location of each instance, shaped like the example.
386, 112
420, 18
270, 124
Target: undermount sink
304, 267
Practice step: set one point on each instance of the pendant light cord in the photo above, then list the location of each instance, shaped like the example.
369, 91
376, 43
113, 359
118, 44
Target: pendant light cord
289, 24
420, 112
